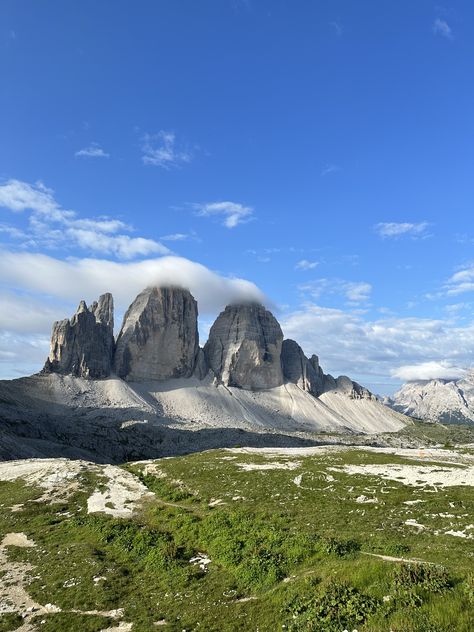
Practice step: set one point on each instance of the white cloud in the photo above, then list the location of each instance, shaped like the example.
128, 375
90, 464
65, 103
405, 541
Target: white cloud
351, 345
52, 226
304, 264
429, 371
175, 237
12, 231
354, 291
87, 278
461, 282
455, 308
398, 229
121, 246
233, 212
358, 292
20, 196
22, 354
441, 27
101, 225
25, 314
161, 150
94, 150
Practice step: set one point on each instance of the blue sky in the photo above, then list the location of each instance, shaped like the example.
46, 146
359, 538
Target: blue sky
321, 151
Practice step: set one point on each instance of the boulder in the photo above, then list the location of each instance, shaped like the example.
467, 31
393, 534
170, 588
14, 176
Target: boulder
159, 336
84, 345
244, 347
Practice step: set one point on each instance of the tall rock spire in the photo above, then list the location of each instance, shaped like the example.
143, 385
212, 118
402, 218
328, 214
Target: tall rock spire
159, 336
244, 347
84, 345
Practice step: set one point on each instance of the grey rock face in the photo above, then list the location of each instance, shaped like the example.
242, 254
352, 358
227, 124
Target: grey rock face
297, 368
84, 345
201, 369
159, 336
348, 387
244, 347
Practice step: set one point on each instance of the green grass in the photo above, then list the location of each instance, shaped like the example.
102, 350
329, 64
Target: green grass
10, 621
281, 554
436, 433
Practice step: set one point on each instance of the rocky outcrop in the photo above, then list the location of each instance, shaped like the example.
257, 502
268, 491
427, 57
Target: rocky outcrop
244, 347
297, 368
159, 336
84, 345
159, 340
347, 387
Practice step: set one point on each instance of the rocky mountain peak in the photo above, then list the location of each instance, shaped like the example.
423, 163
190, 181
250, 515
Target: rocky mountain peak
84, 345
159, 336
437, 400
244, 347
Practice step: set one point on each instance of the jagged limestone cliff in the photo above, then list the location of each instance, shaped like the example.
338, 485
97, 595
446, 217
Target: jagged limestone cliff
84, 345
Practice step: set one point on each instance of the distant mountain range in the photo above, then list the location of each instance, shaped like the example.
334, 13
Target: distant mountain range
444, 401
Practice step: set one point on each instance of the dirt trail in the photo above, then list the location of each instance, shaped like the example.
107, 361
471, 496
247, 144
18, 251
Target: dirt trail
390, 558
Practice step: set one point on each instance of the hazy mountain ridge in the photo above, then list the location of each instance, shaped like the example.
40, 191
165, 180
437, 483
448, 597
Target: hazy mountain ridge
444, 401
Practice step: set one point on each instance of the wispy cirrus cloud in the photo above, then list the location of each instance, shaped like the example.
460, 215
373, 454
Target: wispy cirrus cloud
175, 237
180, 237
442, 28
356, 292
232, 213
52, 226
162, 150
94, 150
461, 281
402, 229
305, 264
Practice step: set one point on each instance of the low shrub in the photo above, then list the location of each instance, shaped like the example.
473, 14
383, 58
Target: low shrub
341, 548
338, 607
430, 577
397, 548
257, 550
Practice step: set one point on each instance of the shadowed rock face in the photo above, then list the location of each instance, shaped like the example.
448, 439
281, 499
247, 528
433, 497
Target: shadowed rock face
159, 336
84, 345
244, 347
297, 368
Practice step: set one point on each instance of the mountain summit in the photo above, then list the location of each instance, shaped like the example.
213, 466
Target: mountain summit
444, 401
